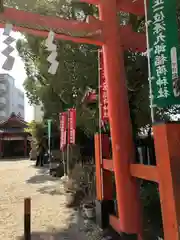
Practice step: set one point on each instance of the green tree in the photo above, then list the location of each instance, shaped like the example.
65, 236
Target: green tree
78, 68
37, 130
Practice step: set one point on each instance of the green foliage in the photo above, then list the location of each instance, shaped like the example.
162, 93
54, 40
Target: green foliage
151, 210
78, 68
47, 7
37, 130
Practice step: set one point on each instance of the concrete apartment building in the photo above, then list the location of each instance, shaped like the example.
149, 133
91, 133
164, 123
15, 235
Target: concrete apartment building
11, 98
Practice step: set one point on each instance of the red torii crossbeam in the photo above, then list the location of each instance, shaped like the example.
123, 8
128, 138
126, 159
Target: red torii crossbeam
91, 32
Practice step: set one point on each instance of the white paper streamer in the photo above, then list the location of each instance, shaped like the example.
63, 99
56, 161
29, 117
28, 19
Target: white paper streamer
53, 55
9, 62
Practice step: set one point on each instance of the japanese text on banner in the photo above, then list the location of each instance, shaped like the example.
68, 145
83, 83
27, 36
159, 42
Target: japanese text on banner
63, 122
71, 126
164, 41
103, 91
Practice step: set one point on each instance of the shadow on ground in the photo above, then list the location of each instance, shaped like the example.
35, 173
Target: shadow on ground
41, 176
52, 190
78, 230
65, 234
40, 169
71, 232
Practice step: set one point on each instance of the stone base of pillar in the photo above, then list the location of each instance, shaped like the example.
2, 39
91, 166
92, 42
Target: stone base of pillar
125, 236
103, 209
111, 234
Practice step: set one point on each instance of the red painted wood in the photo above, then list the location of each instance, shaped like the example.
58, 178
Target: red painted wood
99, 180
108, 165
145, 172
132, 40
129, 39
119, 116
115, 223
96, 40
107, 173
13, 121
105, 146
34, 19
136, 7
167, 144
107, 185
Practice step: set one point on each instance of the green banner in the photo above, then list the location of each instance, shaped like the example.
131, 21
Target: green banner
164, 55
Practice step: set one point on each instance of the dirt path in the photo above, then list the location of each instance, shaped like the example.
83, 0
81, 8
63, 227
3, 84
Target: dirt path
18, 180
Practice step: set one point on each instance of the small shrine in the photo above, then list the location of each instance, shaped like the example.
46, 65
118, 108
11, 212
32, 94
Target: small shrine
90, 97
14, 140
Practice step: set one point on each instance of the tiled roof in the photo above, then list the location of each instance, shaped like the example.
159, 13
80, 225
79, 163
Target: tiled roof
11, 130
13, 117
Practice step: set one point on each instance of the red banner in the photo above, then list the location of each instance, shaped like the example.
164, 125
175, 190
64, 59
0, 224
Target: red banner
63, 125
71, 126
103, 90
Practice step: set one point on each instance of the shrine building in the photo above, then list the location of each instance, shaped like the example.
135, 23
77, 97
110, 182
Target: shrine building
14, 140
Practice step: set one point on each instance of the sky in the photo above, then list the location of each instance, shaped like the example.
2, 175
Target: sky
18, 71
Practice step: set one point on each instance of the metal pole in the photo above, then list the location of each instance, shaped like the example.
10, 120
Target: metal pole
49, 142
49, 146
149, 62
68, 158
27, 219
68, 144
64, 164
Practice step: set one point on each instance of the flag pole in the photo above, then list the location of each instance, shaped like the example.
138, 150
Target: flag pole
49, 141
149, 61
68, 152
64, 164
62, 119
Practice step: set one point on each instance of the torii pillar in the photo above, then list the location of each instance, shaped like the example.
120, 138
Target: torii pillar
120, 123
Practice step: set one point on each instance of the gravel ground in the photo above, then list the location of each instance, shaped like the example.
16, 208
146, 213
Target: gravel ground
50, 217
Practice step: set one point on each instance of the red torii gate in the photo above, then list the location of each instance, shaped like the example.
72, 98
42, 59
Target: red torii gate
114, 39
91, 33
